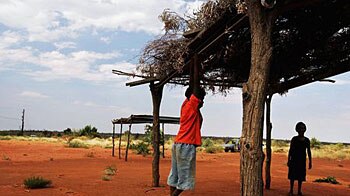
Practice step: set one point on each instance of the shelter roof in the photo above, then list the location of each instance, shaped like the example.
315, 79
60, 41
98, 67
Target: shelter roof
310, 42
141, 119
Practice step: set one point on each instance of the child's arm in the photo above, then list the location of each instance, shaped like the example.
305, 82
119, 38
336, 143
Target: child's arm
289, 152
196, 77
309, 155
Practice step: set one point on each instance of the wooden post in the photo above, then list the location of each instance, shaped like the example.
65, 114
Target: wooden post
22, 129
163, 139
157, 93
120, 138
113, 140
268, 142
254, 95
127, 145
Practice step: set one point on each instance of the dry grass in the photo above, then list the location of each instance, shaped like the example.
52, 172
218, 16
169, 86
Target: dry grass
328, 151
31, 138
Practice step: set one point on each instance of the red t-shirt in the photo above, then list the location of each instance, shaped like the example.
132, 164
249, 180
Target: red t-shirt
190, 122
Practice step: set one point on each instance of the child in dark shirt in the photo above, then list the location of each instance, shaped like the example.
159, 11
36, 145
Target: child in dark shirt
297, 157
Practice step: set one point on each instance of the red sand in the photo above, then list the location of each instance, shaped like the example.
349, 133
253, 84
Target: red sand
73, 172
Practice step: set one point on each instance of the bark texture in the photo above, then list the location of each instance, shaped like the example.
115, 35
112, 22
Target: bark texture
254, 94
268, 142
157, 93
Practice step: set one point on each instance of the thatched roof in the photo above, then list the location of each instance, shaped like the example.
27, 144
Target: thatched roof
311, 42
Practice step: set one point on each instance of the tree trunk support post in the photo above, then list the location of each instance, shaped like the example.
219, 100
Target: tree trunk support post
120, 139
268, 143
157, 93
163, 139
113, 140
127, 145
254, 95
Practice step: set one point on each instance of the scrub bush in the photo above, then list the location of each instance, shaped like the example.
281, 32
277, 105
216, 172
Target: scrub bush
36, 182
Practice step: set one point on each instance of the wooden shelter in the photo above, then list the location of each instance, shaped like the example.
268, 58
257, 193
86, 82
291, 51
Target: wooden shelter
138, 119
264, 50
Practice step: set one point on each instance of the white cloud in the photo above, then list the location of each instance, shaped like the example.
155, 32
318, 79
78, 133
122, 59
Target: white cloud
64, 45
33, 94
84, 65
51, 21
9, 38
91, 104
106, 40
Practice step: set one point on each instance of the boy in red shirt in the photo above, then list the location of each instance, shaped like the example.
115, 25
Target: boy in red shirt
183, 163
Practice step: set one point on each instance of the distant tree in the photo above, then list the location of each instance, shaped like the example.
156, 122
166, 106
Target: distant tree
89, 131
67, 131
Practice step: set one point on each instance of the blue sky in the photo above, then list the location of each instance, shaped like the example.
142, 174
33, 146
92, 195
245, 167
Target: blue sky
56, 60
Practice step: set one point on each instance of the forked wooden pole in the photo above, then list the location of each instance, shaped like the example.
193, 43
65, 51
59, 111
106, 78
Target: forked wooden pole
163, 138
120, 138
113, 140
127, 145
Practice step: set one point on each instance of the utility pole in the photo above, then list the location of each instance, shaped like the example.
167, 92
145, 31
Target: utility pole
22, 129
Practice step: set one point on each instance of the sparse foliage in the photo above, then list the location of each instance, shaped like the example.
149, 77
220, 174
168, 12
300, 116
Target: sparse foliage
77, 144
67, 131
89, 131
207, 143
315, 143
329, 179
141, 148
110, 170
36, 182
213, 149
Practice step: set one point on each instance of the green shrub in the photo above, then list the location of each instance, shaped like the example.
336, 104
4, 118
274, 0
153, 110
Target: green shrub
148, 136
77, 144
89, 131
67, 131
141, 148
207, 143
36, 182
213, 149
329, 179
315, 143
110, 170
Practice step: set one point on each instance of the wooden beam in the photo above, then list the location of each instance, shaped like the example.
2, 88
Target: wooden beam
309, 78
139, 82
118, 72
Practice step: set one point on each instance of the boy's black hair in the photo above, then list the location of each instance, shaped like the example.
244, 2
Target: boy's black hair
300, 126
188, 92
202, 93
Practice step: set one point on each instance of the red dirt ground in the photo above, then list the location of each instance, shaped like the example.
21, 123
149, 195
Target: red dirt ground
73, 172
